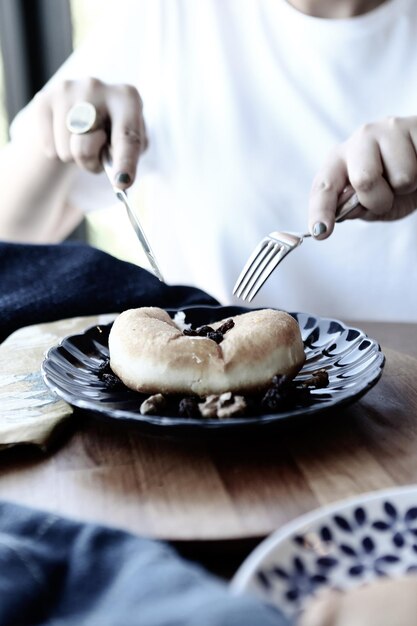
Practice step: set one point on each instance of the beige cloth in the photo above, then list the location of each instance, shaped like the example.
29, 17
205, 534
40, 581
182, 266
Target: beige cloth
384, 602
29, 411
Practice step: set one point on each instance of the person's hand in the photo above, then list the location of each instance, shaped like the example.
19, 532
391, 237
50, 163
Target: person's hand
120, 123
385, 602
380, 162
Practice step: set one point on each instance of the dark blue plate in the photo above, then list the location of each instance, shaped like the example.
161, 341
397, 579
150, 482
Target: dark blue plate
353, 360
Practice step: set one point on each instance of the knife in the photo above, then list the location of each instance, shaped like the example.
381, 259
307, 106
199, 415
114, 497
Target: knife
122, 196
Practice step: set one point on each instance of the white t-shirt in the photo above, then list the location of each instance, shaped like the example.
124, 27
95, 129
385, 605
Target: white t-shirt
243, 100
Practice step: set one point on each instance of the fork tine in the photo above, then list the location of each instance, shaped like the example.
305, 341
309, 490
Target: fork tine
259, 253
265, 272
270, 252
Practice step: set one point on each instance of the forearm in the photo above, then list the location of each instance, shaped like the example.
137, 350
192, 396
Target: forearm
34, 190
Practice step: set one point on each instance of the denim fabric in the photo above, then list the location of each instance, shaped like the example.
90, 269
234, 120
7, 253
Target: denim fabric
57, 572
43, 283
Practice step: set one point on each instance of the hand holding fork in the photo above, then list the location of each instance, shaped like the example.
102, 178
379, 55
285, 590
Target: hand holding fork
272, 249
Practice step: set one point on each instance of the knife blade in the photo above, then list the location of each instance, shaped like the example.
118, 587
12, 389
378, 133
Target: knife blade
140, 234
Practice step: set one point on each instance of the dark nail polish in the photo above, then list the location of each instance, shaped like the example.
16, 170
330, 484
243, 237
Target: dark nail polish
123, 178
319, 228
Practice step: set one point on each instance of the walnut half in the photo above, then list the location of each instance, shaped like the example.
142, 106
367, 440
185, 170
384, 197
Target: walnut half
225, 405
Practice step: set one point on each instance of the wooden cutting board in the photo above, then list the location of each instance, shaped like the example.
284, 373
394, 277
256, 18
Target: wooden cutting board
214, 489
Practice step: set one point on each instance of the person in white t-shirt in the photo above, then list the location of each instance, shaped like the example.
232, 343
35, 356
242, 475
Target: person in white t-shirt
256, 115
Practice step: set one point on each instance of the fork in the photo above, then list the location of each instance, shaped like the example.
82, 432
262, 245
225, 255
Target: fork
271, 250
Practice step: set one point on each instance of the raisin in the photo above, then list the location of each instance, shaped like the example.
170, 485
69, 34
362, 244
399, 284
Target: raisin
104, 367
301, 396
215, 336
273, 400
281, 382
188, 407
208, 331
203, 331
318, 379
111, 381
227, 325
107, 376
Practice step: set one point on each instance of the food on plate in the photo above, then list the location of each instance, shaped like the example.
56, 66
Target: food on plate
154, 354
384, 602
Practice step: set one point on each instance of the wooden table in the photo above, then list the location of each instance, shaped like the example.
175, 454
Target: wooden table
215, 499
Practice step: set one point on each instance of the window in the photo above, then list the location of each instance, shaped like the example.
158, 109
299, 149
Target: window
36, 37
3, 113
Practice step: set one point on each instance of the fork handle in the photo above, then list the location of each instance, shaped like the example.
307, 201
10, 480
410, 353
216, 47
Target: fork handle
346, 207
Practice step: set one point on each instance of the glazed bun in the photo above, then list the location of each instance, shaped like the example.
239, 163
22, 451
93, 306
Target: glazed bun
150, 353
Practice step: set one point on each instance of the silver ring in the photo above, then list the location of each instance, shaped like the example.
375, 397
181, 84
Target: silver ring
82, 118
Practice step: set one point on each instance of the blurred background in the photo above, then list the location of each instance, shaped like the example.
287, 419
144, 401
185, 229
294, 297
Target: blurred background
36, 36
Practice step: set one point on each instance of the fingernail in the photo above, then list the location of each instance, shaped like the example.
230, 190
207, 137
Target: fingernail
123, 178
319, 228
